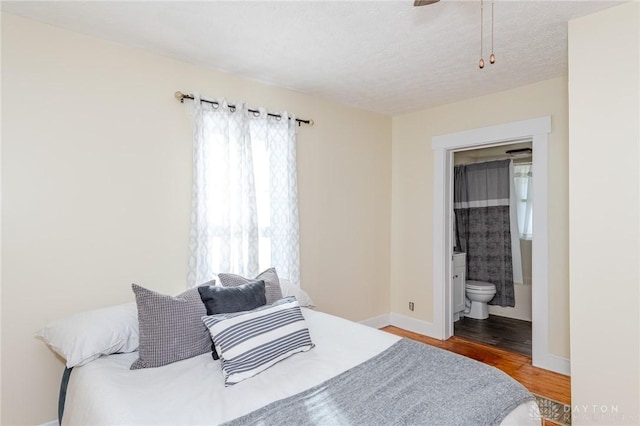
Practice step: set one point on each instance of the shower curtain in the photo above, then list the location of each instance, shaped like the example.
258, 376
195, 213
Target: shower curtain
481, 206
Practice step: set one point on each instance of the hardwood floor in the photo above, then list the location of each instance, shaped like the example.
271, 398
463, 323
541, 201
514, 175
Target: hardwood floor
541, 382
507, 333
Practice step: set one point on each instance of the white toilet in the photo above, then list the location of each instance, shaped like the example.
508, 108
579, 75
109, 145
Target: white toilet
479, 293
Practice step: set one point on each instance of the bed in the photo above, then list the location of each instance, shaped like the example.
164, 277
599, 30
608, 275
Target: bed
354, 375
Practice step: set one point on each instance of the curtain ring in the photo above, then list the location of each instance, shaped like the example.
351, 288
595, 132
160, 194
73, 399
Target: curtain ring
256, 113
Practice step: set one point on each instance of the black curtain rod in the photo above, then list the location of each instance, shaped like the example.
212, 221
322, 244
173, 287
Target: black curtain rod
181, 97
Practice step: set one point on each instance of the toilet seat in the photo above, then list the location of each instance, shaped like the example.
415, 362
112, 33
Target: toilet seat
480, 286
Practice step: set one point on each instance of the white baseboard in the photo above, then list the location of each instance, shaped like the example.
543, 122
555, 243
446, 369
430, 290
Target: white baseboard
51, 423
377, 322
555, 363
413, 324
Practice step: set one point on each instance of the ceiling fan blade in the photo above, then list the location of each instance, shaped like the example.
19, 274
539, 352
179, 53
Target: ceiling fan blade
424, 2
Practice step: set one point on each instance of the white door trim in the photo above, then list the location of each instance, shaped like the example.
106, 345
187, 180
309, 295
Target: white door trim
537, 130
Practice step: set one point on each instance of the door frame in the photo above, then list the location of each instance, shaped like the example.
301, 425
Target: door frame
537, 130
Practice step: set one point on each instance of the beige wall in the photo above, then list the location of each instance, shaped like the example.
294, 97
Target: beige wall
412, 194
96, 182
604, 101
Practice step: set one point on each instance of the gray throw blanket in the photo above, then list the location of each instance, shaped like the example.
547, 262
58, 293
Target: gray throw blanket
408, 384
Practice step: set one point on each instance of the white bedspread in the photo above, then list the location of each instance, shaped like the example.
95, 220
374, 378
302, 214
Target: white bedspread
192, 391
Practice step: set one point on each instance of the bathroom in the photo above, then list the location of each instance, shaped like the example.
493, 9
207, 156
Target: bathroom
492, 232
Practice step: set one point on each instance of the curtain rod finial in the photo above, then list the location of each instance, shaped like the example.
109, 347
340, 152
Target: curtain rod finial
179, 96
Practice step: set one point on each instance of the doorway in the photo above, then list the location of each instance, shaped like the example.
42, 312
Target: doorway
537, 130
508, 326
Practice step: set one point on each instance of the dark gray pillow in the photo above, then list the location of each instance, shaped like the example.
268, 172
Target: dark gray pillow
226, 300
171, 328
270, 277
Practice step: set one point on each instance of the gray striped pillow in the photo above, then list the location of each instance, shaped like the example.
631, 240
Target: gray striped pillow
251, 342
273, 291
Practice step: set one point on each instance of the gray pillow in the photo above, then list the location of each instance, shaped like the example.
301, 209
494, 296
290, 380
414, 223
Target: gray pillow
273, 291
224, 300
171, 328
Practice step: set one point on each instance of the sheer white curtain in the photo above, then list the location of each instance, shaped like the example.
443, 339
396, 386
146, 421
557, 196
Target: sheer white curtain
516, 253
245, 200
523, 183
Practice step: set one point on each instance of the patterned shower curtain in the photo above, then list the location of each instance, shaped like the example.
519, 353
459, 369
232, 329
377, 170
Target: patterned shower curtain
481, 206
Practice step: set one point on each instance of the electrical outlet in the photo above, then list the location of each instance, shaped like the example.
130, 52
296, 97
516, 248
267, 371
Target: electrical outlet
411, 306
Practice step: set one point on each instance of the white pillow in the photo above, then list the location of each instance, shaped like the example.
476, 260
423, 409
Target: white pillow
301, 296
86, 336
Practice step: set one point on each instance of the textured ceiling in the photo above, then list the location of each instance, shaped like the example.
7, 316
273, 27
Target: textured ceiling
384, 56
